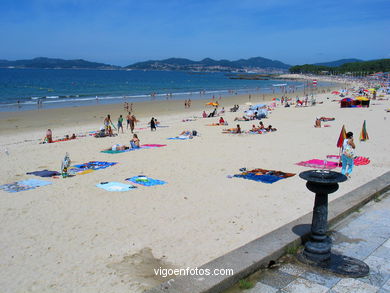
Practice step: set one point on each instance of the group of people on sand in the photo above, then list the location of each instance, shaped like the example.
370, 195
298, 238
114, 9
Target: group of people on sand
49, 137
260, 129
214, 113
134, 144
187, 104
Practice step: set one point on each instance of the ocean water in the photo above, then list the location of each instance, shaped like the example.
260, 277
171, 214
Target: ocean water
27, 89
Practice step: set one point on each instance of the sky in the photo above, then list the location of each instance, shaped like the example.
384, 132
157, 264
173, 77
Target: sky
122, 32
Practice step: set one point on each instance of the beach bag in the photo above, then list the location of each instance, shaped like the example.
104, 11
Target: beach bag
349, 151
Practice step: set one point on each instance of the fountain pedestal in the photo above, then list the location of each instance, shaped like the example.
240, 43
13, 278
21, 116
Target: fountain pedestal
317, 251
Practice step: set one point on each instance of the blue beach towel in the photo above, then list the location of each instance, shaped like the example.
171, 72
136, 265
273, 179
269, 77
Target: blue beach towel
145, 181
260, 178
24, 185
115, 186
93, 165
177, 137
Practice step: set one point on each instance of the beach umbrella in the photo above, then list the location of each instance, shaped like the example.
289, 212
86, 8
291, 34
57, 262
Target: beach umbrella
361, 98
343, 135
363, 133
212, 104
335, 92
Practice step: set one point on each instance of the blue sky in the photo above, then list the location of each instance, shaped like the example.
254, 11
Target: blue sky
122, 32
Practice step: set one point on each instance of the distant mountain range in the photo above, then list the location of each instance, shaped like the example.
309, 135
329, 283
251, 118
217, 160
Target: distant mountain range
338, 62
255, 64
43, 62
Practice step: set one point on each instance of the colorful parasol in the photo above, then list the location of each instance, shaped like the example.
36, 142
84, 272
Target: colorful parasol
363, 133
343, 135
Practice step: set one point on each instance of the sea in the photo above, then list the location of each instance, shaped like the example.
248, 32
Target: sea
29, 89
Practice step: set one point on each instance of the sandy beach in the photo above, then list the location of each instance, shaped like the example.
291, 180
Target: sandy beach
71, 236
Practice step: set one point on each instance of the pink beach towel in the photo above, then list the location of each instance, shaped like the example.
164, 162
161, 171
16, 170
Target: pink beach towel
153, 145
319, 164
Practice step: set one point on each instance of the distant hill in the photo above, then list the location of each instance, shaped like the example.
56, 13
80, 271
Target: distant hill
42, 62
362, 68
338, 62
208, 64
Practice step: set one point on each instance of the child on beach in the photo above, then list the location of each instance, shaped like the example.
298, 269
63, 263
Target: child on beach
347, 155
153, 124
120, 123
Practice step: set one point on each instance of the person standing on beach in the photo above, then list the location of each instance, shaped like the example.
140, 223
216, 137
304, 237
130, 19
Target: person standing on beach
120, 123
132, 122
128, 118
107, 121
153, 124
348, 155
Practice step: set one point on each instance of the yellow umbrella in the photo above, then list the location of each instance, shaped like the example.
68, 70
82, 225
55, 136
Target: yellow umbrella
212, 104
372, 90
361, 98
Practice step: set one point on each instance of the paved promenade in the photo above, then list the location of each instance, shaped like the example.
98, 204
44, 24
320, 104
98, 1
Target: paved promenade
364, 235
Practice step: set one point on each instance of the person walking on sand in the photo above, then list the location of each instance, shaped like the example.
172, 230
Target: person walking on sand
132, 122
120, 123
348, 155
128, 118
153, 124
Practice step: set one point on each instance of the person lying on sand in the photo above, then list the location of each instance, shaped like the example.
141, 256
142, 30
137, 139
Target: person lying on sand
185, 134
233, 130
243, 118
270, 128
118, 147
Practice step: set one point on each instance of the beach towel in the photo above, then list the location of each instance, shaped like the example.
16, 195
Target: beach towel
144, 146
145, 181
44, 173
115, 186
89, 167
264, 176
154, 145
326, 119
24, 185
319, 164
179, 137
358, 161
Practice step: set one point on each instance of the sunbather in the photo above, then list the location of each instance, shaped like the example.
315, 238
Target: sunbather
185, 134
270, 128
243, 118
135, 142
233, 130
119, 147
